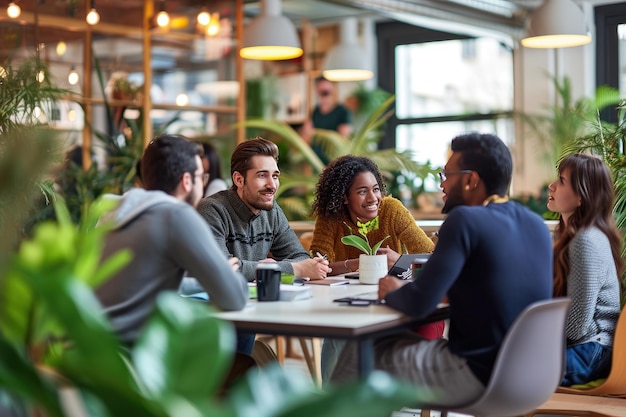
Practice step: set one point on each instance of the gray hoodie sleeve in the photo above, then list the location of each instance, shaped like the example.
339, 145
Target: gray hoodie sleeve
194, 247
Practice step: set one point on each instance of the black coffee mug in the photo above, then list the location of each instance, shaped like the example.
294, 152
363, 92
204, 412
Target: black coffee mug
268, 281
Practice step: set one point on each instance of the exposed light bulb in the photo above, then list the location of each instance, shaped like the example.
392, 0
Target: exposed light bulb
13, 10
214, 25
163, 19
71, 115
41, 76
204, 18
182, 99
93, 17
61, 48
72, 77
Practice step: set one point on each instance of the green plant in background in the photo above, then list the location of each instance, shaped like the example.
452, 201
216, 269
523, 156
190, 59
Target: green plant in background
296, 191
567, 119
363, 243
27, 148
408, 186
123, 89
364, 101
123, 144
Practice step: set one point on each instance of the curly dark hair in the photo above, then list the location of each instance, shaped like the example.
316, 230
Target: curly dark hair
335, 181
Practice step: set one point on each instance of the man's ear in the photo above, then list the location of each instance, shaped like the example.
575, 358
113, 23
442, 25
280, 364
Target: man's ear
473, 180
186, 182
238, 179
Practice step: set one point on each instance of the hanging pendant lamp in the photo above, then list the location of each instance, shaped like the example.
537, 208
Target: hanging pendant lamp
270, 36
557, 24
347, 60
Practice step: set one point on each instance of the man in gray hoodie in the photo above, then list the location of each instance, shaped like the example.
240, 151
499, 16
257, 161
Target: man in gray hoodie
166, 235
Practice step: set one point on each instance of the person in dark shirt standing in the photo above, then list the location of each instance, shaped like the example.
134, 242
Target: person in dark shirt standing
328, 114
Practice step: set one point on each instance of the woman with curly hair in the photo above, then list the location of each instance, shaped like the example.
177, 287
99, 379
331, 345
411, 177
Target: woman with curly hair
351, 189
587, 264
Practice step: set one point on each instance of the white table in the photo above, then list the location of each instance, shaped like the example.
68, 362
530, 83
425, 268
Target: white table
319, 316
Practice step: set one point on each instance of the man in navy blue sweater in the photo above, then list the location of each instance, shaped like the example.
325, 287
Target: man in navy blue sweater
493, 259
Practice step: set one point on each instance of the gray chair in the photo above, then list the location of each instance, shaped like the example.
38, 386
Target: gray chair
529, 366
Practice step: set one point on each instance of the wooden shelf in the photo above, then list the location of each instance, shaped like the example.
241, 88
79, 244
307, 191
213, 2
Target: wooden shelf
139, 104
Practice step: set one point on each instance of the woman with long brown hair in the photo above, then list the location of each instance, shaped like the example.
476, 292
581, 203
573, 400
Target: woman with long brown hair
587, 264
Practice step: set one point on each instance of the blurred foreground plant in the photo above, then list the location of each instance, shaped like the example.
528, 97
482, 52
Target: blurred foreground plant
177, 366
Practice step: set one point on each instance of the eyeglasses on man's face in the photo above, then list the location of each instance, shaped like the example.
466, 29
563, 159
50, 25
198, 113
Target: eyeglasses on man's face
205, 178
443, 174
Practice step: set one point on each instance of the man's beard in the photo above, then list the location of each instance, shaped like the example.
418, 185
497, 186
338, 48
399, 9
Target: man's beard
454, 198
263, 205
192, 199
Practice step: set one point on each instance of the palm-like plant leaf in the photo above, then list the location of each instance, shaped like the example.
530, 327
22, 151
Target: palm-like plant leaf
291, 136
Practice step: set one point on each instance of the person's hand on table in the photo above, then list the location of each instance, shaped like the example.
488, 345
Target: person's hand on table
234, 263
315, 268
388, 284
392, 255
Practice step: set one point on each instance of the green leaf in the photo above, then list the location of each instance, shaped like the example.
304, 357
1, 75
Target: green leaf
357, 242
184, 350
378, 245
272, 392
290, 135
268, 392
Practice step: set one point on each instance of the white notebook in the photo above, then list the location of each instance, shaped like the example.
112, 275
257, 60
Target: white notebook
294, 292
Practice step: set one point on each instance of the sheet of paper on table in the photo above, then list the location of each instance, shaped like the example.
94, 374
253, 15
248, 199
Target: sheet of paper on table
329, 281
294, 292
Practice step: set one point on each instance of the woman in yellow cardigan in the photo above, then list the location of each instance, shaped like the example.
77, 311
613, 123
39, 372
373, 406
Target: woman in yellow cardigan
349, 189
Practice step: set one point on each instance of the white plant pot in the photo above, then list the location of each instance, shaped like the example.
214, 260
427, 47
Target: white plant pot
372, 268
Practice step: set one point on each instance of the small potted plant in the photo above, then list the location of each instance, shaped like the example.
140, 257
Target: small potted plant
372, 267
121, 88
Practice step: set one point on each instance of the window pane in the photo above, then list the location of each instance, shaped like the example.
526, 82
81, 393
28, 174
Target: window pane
453, 77
430, 142
621, 39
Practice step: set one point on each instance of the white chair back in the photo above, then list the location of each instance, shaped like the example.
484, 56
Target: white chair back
529, 366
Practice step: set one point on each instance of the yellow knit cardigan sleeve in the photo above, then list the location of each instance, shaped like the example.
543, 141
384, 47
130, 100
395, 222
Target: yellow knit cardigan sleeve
406, 235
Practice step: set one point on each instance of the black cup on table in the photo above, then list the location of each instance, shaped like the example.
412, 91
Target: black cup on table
268, 281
